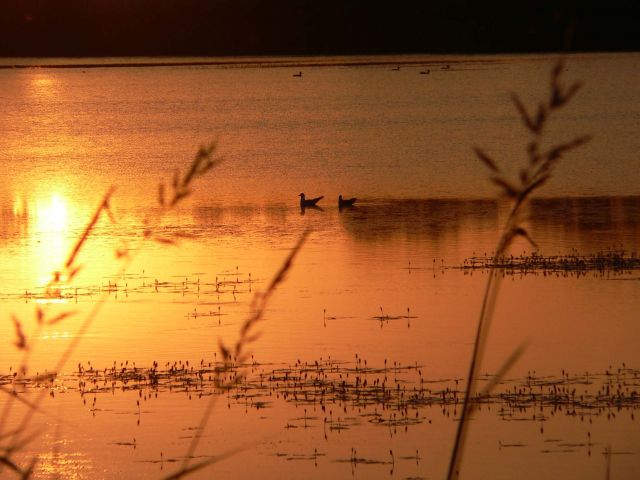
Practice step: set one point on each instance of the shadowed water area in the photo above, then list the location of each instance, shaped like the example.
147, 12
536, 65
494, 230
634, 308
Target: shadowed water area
364, 348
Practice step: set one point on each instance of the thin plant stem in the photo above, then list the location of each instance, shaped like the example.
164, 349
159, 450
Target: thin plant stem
534, 176
259, 305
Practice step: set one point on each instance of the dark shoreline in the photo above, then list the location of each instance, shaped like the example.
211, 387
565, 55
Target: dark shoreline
409, 60
246, 64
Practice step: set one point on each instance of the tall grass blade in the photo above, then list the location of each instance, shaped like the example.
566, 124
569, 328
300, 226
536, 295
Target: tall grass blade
533, 177
259, 304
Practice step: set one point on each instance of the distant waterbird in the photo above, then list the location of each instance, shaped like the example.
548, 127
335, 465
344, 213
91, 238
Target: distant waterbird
309, 202
345, 202
425, 72
396, 69
299, 74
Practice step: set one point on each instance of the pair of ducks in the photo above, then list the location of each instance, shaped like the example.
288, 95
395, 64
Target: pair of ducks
311, 202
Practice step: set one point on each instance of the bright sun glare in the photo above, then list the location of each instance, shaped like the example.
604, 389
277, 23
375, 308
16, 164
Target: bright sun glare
49, 241
52, 214
43, 85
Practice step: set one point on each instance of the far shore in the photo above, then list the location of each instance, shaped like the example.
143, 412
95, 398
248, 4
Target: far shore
285, 61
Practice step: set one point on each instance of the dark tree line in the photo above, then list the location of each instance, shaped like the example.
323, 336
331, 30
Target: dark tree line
262, 27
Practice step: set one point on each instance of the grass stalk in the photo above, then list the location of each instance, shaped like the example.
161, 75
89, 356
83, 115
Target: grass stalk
246, 337
532, 177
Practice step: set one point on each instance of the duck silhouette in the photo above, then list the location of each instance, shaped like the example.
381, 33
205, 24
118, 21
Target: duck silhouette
299, 74
345, 202
309, 202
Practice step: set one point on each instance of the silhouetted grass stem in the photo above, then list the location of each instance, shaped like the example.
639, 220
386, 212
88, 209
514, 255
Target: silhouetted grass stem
532, 177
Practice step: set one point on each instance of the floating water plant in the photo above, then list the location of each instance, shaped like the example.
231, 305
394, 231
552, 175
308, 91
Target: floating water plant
338, 395
613, 261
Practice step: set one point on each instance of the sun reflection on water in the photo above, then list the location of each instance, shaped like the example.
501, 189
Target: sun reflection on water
62, 465
53, 299
52, 214
43, 85
51, 242
19, 207
55, 335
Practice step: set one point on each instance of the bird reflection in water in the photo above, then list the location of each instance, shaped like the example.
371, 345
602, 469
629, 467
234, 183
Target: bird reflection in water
303, 209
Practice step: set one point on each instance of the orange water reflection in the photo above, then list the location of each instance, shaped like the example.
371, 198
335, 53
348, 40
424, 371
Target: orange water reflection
65, 465
44, 84
392, 255
52, 241
175, 303
384, 257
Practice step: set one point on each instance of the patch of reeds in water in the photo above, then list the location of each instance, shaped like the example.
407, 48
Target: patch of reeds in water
225, 284
576, 264
342, 395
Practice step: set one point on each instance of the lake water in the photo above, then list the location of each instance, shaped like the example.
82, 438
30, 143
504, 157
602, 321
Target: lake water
375, 293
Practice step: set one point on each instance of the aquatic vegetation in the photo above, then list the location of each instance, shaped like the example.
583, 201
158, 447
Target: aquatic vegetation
131, 284
229, 375
337, 395
601, 263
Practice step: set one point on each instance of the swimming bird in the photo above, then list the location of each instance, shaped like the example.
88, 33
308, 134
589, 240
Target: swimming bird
425, 72
345, 202
395, 69
309, 202
299, 74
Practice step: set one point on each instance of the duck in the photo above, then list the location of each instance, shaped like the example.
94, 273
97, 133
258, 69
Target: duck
309, 202
425, 72
299, 74
345, 202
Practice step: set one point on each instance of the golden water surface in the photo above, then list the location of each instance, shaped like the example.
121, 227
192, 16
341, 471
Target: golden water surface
380, 282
